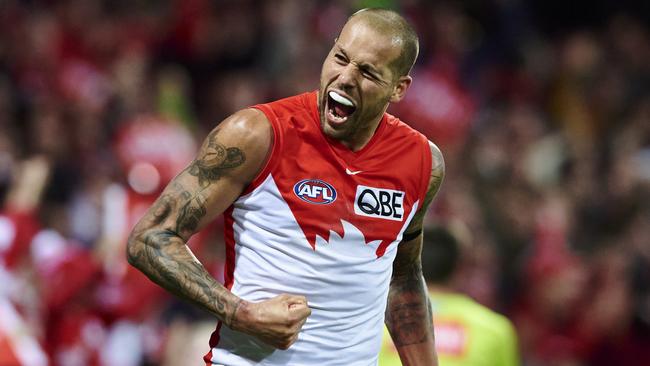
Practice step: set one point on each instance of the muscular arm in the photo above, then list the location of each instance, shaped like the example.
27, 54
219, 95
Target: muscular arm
408, 313
231, 156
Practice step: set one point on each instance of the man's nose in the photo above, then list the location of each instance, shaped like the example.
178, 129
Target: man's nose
348, 75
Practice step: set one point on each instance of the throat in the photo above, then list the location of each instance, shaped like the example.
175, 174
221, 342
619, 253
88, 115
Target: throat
360, 138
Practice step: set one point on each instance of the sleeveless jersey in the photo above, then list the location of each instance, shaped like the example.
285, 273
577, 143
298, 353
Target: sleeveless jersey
322, 221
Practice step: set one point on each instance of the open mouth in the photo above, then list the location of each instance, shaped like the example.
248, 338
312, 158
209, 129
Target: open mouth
339, 108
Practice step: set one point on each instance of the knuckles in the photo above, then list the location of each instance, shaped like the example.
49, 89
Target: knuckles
284, 347
285, 343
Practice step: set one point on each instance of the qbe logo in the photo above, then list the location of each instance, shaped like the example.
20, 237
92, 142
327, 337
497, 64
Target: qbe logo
379, 202
315, 191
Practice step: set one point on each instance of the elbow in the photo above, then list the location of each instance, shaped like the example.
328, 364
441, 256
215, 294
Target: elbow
134, 250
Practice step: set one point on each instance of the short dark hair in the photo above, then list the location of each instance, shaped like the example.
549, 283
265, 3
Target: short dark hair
387, 20
440, 255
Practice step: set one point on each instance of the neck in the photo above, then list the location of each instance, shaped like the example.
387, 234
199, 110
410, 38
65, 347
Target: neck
363, 137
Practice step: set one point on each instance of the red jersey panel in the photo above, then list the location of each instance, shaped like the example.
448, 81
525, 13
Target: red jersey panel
324, 222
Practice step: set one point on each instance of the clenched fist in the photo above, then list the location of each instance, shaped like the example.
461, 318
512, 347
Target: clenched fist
276, 321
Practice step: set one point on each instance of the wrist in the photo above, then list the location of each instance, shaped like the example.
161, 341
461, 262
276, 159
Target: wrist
239, 316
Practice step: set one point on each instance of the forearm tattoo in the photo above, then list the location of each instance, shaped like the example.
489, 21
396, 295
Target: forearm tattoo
157, 246
408, 314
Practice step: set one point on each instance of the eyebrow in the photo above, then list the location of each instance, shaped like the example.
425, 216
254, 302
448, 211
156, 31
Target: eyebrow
364, 65
342, 50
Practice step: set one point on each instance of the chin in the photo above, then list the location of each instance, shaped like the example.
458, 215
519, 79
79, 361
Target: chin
329, 131
337, 134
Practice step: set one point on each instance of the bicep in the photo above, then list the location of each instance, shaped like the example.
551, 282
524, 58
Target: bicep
230, 157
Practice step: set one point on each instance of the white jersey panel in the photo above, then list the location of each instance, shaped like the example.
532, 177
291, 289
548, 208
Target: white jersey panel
345, 283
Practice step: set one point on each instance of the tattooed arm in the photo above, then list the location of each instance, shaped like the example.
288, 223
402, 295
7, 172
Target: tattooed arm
408, 313
229, 159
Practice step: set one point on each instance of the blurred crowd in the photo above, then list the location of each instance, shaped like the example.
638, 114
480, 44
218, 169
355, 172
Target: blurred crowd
541, 108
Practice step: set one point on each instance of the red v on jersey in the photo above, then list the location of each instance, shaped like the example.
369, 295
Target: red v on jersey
309, 169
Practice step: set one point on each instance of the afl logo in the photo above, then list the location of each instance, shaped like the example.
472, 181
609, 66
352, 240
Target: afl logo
315, 191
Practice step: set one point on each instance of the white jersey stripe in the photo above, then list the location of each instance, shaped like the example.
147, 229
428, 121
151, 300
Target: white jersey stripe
345, 283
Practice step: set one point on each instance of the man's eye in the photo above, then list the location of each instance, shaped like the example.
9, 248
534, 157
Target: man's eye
340, 58
368, 74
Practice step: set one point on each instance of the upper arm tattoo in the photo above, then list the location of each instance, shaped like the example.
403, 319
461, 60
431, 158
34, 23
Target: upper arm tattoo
162, 208
215, 161
190, 213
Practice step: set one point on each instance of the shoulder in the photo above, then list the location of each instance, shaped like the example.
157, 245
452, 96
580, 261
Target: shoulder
437, 173
247, 125
249, 117
242, 141
437, 160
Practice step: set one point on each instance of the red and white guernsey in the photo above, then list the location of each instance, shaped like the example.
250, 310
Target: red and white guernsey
323, 222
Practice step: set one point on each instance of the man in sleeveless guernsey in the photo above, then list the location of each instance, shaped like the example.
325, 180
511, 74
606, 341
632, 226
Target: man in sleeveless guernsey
467, 333
323, 196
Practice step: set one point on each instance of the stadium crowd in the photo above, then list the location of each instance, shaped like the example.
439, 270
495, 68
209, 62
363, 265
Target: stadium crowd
542, 110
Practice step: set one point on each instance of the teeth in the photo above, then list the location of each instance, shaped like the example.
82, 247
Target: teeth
341, 99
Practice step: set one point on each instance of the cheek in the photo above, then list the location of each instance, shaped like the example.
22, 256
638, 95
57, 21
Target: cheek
375, 97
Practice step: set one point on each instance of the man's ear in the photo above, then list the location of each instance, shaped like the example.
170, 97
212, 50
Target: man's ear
400, 89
